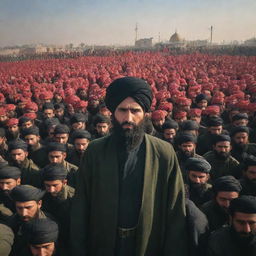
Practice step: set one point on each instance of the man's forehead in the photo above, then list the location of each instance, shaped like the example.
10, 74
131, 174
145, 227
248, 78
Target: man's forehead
129, 103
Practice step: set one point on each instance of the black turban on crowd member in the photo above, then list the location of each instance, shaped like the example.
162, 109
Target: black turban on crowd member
244, 204
101, 119
10, 172
125, 87
54, 172
78, 117
221, 137
24, 193
214, 121
170, 124
30, 131
184, 138
40, 231
197, 165
17, 144
61, 128
56, 146
227, 183
201, 97
189, 125
81, 134
238, 129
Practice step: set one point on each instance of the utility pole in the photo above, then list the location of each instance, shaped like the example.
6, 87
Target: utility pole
211, 33
136, 32
159, 39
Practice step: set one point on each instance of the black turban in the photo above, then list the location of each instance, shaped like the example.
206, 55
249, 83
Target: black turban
30, 131
101, 119
81, 134
240, 116
23, 120
244, 204
56, 146
59, 106
170, 124
227, 183
61, 128
54, 172
50, 122
214, 121
78, 117
48, 105
201, 97
125, 87
221, 137
189, 125
198, 165
238, 129
10, 172
40, 231
24, 193
250, 160
18, 144
184, 138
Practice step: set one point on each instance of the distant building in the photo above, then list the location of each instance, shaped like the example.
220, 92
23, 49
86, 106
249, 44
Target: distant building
34, 50
197, 43
7, 52
144, 43
250, 42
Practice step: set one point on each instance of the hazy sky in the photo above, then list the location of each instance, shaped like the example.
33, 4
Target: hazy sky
113, 21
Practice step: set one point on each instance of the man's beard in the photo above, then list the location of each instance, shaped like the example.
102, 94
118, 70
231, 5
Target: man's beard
242, 238
239, 146
221, 155
197, 188
28, 218
130, 138
101, 134
186, 154
170, 140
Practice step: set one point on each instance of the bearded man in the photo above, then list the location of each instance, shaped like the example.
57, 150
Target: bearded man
130, 195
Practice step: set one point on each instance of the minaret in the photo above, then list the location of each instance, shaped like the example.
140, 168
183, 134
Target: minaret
136, 32
211, 33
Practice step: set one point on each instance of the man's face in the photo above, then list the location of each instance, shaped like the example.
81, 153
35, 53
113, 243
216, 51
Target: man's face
56, 157
3, 118
54, 186
188, 148
158, 123
198, 177
102, 129
28, 210
215, 129
59, 112
61, 137
222, 148
14, 129
48, 113
241, 122
26, 125
202, 104
240, 138
129, 113
196, 119
244, 224
169, 134
9, 184
18, 155
32, 139
81, 145
78, 126
250, 173
223, 199
46, 249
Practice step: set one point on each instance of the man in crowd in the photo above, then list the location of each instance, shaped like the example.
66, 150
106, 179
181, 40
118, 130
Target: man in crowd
102, 125
170, 128
132, 174
240, 237
225, 189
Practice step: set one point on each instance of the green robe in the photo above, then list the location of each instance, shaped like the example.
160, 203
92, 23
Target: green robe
161, 227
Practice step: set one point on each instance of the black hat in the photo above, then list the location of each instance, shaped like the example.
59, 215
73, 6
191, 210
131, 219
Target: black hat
50, 122
101, 119
170, 124
198, 165
24, 193
227, 183
10, 172
47, 105
78, 117
61, 128
189, 125
23, 120
59, 105
185, 137
221, 137
56, 146
244, 204
238, 129
81, 134
17, 144
201, 97
214, 121
250, 160
40, 231
125, 87
240, 116
2, 132
30, 131
54, 172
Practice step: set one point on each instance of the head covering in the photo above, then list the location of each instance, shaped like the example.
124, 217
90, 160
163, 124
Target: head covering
201, 97
238, 129
198, 165
214, 121
158, 115
56, 146
17, 144
240, 116
125, 87
227, 183
61, 128
78, 117
10, 172
101, 119
81, 134
30, 131
50, 122
59, 105
24, 193
40, 231
47, 105
54, 172
170, 124
221, 137
244, 204
249, 160
12, 121
195, 112
185, 137
189, 125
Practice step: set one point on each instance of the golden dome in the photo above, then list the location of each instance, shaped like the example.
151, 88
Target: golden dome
175, 38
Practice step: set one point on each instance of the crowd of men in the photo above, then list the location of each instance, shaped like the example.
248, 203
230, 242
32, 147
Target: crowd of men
43, 141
